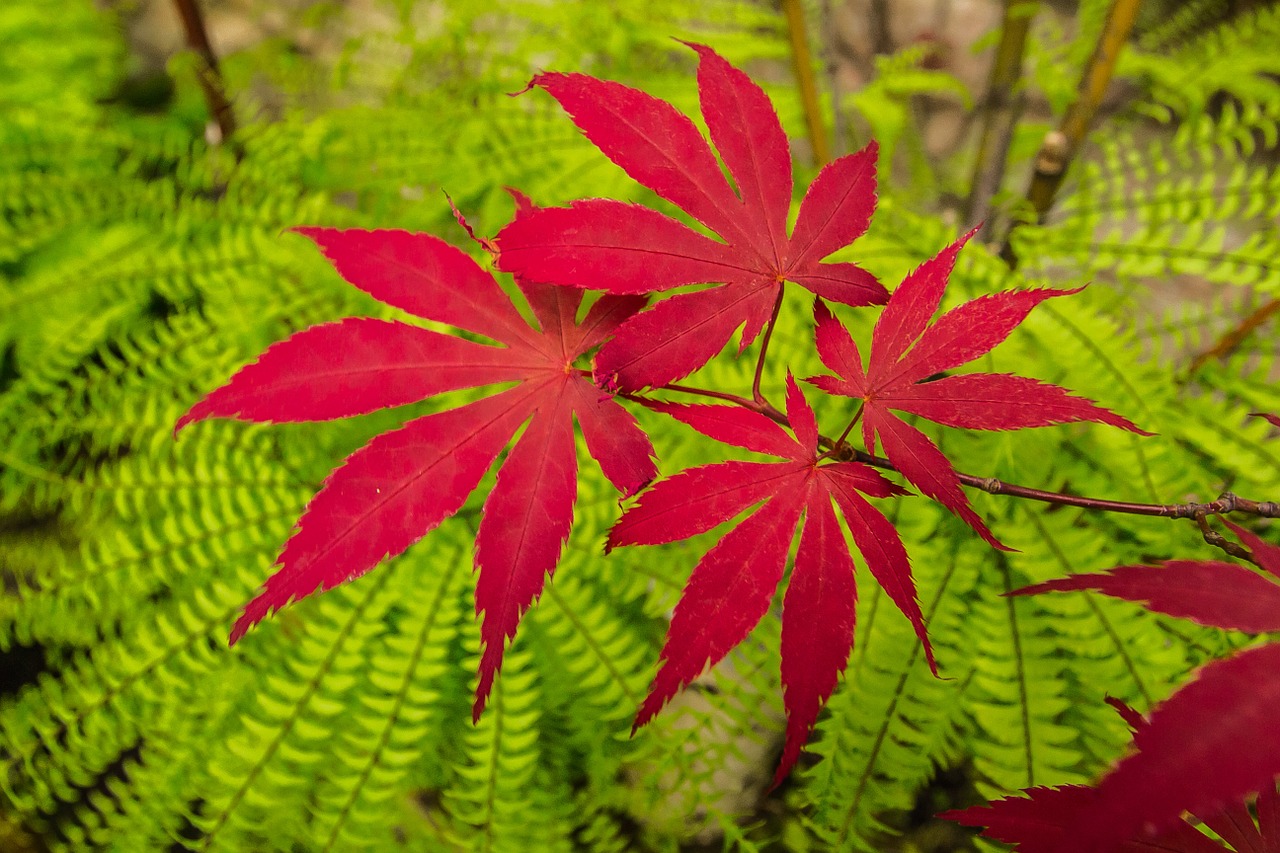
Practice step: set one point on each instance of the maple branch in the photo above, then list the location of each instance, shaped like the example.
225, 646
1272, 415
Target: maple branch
703, 392
1224, 504
802, 62
1004, 103
1233, 338
764, 350
1061, 146
1217, 540
209, 75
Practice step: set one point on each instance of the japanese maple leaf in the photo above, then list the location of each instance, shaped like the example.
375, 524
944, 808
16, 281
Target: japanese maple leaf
1210, 592
906, 352
626, 248
1045, 819
404, 483
732, 585
1201, 751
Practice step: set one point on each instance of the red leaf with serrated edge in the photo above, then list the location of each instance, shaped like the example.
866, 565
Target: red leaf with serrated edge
519, 539
1127, 713
353, 367
731, 587
1044, 818
906, 352
1202, 752
1204, 747
1053, 820
818, 616
689, 328
1266, 554
726, 596
1209, 592
404, 483
623, 248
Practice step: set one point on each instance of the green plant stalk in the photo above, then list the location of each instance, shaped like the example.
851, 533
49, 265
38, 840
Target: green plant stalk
1062, 145
802, 61
1004, 104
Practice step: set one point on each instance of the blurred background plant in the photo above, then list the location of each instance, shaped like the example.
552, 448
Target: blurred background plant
142, 260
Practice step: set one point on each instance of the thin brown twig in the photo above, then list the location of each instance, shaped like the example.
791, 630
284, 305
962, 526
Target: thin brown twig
1003, 107
209, 74
764, 350
803, 64
1224, 504
1061, 146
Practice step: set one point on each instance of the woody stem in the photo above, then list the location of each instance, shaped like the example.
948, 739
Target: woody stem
764, 351
1225, 503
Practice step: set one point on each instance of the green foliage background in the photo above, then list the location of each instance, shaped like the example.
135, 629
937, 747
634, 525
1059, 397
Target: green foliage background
140, 266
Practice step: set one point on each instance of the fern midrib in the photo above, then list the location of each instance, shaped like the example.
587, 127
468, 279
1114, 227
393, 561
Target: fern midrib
117, 688
605, 660
1019, 670
491, 789
443, 590
1092, 601
864, 778
313, 685
141, 557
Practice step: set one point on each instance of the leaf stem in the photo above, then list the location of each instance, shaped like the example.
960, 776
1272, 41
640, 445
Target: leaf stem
1061, 146
838, 445
803, 64
209, 75
764, 350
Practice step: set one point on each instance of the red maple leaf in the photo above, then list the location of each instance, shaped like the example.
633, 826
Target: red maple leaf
404, 483
1201, 751
626, 248
1210, 592
1045, 820
732, 585
906, 352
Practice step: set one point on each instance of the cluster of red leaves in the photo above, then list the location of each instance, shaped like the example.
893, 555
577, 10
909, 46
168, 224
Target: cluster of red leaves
1201, 752
404, 483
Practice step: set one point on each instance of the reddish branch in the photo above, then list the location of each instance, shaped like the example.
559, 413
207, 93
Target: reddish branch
209, 75
1223, 505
